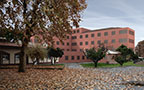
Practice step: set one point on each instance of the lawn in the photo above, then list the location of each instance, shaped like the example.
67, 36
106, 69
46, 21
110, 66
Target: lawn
104, 65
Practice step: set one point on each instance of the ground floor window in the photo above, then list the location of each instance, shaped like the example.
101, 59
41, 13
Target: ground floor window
4, 57
66, 57
17, 58
72, 57
83, 57
78, 57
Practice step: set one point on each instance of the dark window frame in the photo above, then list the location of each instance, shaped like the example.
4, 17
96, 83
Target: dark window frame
105, 33
113, 41
92, 35
66, 58
106, 41
86, 36
113, 32
99, 34
86, 43
78, 57
72, 57
81, 36
81, 43
92, 42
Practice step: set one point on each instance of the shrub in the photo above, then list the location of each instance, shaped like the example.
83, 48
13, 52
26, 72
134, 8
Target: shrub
36, 53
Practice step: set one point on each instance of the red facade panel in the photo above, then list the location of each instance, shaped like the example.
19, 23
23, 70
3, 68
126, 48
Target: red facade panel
82, 38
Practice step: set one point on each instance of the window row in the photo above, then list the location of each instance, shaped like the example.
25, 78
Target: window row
74, 57
105, 34
122, 40
76, 31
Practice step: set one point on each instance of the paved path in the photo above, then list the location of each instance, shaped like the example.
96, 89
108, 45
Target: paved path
73, 65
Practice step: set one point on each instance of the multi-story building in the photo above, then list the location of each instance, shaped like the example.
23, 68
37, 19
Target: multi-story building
82, 38
74, 45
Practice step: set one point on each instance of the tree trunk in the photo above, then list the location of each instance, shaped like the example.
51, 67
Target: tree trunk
54, 60
37, 60
121, 65
95, 64
22, 64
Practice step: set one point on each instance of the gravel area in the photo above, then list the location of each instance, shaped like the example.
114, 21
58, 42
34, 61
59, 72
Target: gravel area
72, 79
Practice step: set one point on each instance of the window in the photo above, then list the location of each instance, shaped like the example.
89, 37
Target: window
67, 49
67, 37
67, 44
17, 58
81, 43
131, 32
122, 31
74, 50
105, 41
99, 42
62, 49
123, 40
99, 34
74, 31
4, 57
86, 36
92, 35
83, 57
86, 43
78, 57
92, 42
81, 50
66, 57
63, 43
113, 32
77, 31
57, 42
81, 36
74, 37
113, 40
74, 44
131, 41
105, 33
72, 57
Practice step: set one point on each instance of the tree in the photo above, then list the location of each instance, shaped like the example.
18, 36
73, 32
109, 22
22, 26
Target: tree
54, 53
36, 53
22, 19
126, 55
139, 49
95, 55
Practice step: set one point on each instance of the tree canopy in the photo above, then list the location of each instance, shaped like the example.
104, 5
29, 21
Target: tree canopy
22, 19
126, 55
54, 53
95, 55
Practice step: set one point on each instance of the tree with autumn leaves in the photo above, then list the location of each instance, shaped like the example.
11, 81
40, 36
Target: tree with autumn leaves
22, 19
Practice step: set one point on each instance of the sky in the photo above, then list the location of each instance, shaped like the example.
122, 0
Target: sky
115, 13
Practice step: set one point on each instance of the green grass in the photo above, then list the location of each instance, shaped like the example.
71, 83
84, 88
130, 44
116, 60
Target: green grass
51, 65
104, 65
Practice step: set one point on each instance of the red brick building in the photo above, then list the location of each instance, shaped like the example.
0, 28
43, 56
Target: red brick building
73, 46
83, 38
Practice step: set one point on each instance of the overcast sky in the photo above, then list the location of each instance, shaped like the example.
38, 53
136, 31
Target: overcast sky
115, 13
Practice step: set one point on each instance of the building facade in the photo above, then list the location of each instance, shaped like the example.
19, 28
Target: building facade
73, 46
83, 38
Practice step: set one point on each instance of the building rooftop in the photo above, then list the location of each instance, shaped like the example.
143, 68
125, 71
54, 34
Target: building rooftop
110, 28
